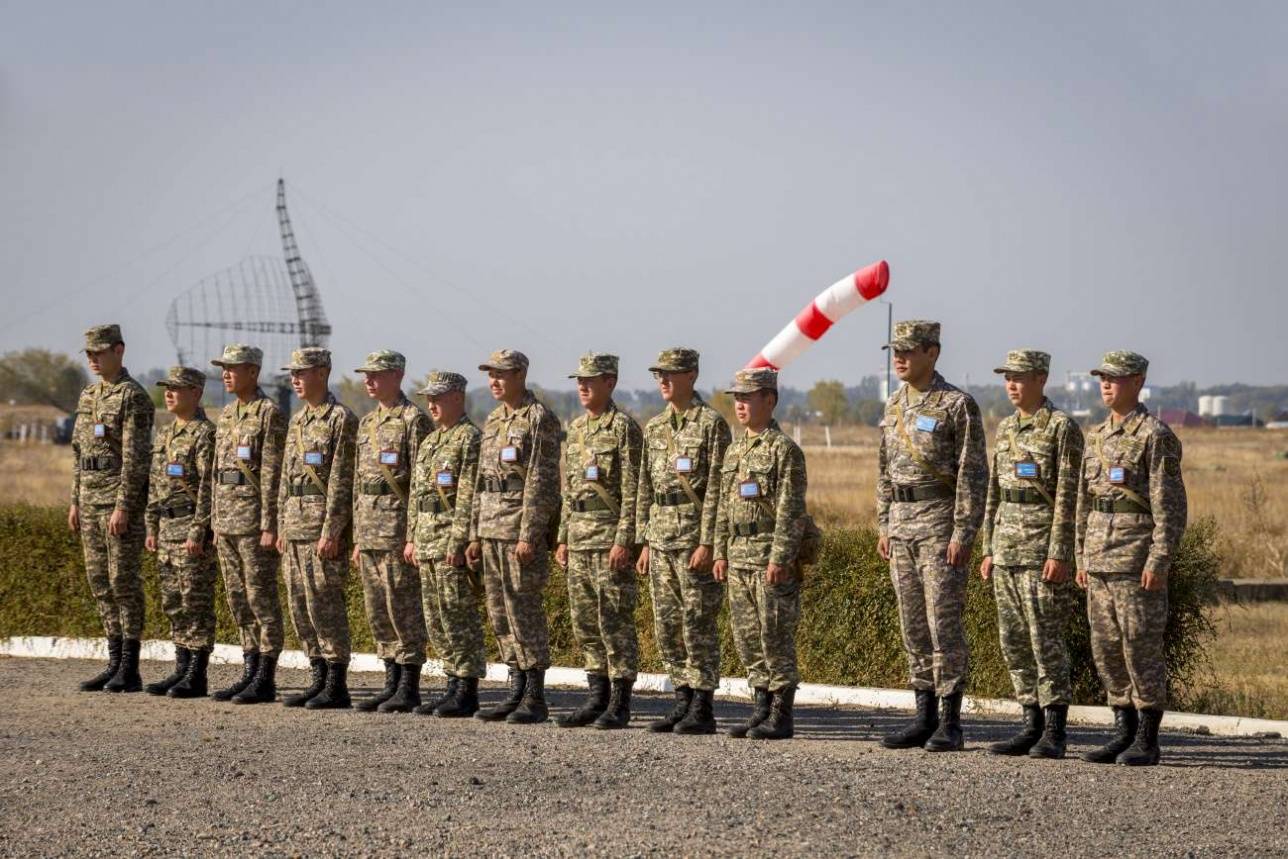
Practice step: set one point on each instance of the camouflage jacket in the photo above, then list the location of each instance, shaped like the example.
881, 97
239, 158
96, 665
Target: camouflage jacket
183, 475
111, 445
387, 442
442, 490
762, 489
248, 436
1135, 466
936, 442
523, 501
316, 495
599, 513
699, 435
1048, 449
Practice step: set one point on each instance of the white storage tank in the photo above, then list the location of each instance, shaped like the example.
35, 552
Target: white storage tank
1205, 406
1220, 406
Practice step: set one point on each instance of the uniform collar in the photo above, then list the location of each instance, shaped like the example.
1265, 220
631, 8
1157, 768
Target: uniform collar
321, 410
383, 412
1129, 426
695, 405
1038, 421
529, 399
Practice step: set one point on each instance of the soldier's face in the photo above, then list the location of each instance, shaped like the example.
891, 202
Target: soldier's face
505, 383
239, 377
676, 385
182, 401
1118, 391
914, 363
595, 391
308, 384
755, 409
382, 384
105, 362
1025, 388
446, 409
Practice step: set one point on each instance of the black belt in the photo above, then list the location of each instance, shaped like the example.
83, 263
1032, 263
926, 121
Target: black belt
1121, 505
922, 493
512, 483
375, 487
233, 477
751, 529
178, 511
587, 505
1023, 496
297, 490
433, 504
97, 463
671, 499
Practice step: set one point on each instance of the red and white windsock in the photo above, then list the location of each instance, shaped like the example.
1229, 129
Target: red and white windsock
819, 315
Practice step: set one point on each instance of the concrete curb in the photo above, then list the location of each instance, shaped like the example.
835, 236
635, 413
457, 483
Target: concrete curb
53, 647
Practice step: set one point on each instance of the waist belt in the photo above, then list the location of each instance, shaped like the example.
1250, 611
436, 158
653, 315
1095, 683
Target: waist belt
671, 499
922, 493
1023, 496
97, 463
1121, 505
587, 505
233, 477
751, 529
512, 483
374, 487
178, 511
433, 504
297, 490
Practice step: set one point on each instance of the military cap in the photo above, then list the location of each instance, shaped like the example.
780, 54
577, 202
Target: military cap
912, 333
102, 337
751, 379
1025, 361
442, 381
383, 359
675, 360
1121, 363
309, 357
594, 364
505, 359
240, 353
183, 377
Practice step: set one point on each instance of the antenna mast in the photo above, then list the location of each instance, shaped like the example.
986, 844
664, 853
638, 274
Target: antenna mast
314, 328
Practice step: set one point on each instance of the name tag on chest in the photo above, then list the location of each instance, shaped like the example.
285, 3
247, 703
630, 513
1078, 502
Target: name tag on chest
592, 473
100, 430
509, 453
445, 478
175, 469
313, 457
1117, 474
1027, 470
925, 423
243, 452
388, 457
749, 489
684, 465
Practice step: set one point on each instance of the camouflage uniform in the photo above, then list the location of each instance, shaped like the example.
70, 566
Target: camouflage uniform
178, 510
676, 513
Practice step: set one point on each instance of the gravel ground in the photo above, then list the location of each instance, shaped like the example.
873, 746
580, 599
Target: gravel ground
98, 774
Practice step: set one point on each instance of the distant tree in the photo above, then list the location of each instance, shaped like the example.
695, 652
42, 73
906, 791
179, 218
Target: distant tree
869, 412
352, 393
39, 376
723, 403
827, 398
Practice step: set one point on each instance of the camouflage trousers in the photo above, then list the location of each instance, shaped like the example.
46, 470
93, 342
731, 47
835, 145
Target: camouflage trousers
315, 593
451, 596
514, 603
1128, 629
602, 601
1031, 619
112, 565
764, 617
686, 604
932, 597
188, 594
250, 580
391, 594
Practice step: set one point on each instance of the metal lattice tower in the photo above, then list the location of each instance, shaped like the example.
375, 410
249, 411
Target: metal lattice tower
314, 328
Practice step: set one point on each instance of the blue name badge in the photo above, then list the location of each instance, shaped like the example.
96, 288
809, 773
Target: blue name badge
243, 451
444, 478
927, 424
100, 430
749, 489
592, 472
388, 457
1026, 469
683, 464
312, 457
1117, 474
174, 469
509, 453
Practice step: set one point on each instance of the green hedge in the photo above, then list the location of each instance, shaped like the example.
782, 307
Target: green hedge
849, 631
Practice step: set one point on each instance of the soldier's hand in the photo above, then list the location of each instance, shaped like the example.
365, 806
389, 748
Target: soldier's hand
281, 544
353, 556
883, 548
117, 525
958, 555
73, 518
700, 560
328, 548
561, 555
777, 574
1055, 572
986, 567
454, 559
719, 569
619, 558
150, 543
641, 565
193, 548
1081, 579
409, 554
524, 553
1152, 581
473, 553
268, 540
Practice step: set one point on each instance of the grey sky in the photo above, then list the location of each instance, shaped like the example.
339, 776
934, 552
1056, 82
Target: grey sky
1078, 177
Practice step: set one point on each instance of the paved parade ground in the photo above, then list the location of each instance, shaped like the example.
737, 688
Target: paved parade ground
113, 775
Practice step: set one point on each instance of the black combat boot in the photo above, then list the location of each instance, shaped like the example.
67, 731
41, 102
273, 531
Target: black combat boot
1034, 723
182, 656
922, 727
518, 685
263, 689
464, 701
1144, 752
1125, 724
701, 718
99, 680
666, 724
335, 694
779, 725
428, 708
407, 697
126, 678
317, 672
393, 671
618, 713
759, 713
1053, 738
193, 684
592, 708
948, 737
250, 667
532, 709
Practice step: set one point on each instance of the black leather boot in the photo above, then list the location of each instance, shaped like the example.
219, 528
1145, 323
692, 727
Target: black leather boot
618, 713
759, 713
464, 701
1144, 752
518, 685
922, 727
407, 696
948, 737
701, 718
250, 667
1027, 738
532, 709
99, 680
1053, 738
779, 725
392, 673
182, 656
317, 672
666, 724
263, 689
127, 678
428, 707
592, 708
193, 684
1125, 724
335, 694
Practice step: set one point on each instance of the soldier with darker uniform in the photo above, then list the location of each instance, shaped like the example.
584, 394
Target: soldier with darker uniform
1132, 511
249, 437
1027, 540
111, 443
315, 534
597, 540
684, 448
931, 484
178, 531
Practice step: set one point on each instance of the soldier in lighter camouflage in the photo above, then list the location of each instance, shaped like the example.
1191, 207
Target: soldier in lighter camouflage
760, 523
178, 531
1027, 540
932, 480
1132, 511
111, 446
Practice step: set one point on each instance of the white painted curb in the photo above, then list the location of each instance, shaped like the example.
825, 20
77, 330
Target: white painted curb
52, 647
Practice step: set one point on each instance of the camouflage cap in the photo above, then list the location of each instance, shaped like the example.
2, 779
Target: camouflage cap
240, 353
309, 357
594, 364
912, 333
505, 359
751, 379
1025, 361
383, 359
102, 337
675, 360
442, 381
183, 377
1121, 363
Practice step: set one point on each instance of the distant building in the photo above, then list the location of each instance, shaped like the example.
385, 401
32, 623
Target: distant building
1180, 418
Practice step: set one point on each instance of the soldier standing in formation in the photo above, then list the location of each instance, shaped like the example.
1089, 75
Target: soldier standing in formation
387, 441
596, 541
679, 492
315, 507
1131, 515
110, 446
1027, 540
178, 531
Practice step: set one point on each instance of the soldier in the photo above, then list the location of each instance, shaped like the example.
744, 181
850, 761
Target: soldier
248, 463
596, 541
1027, 543
387, 441
759, 526
178, 531
516, 515
438, 530
676, 515
315, 512
1131, 516
110, 445
931, 483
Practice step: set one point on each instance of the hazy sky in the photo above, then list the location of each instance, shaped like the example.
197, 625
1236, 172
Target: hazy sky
562, 177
